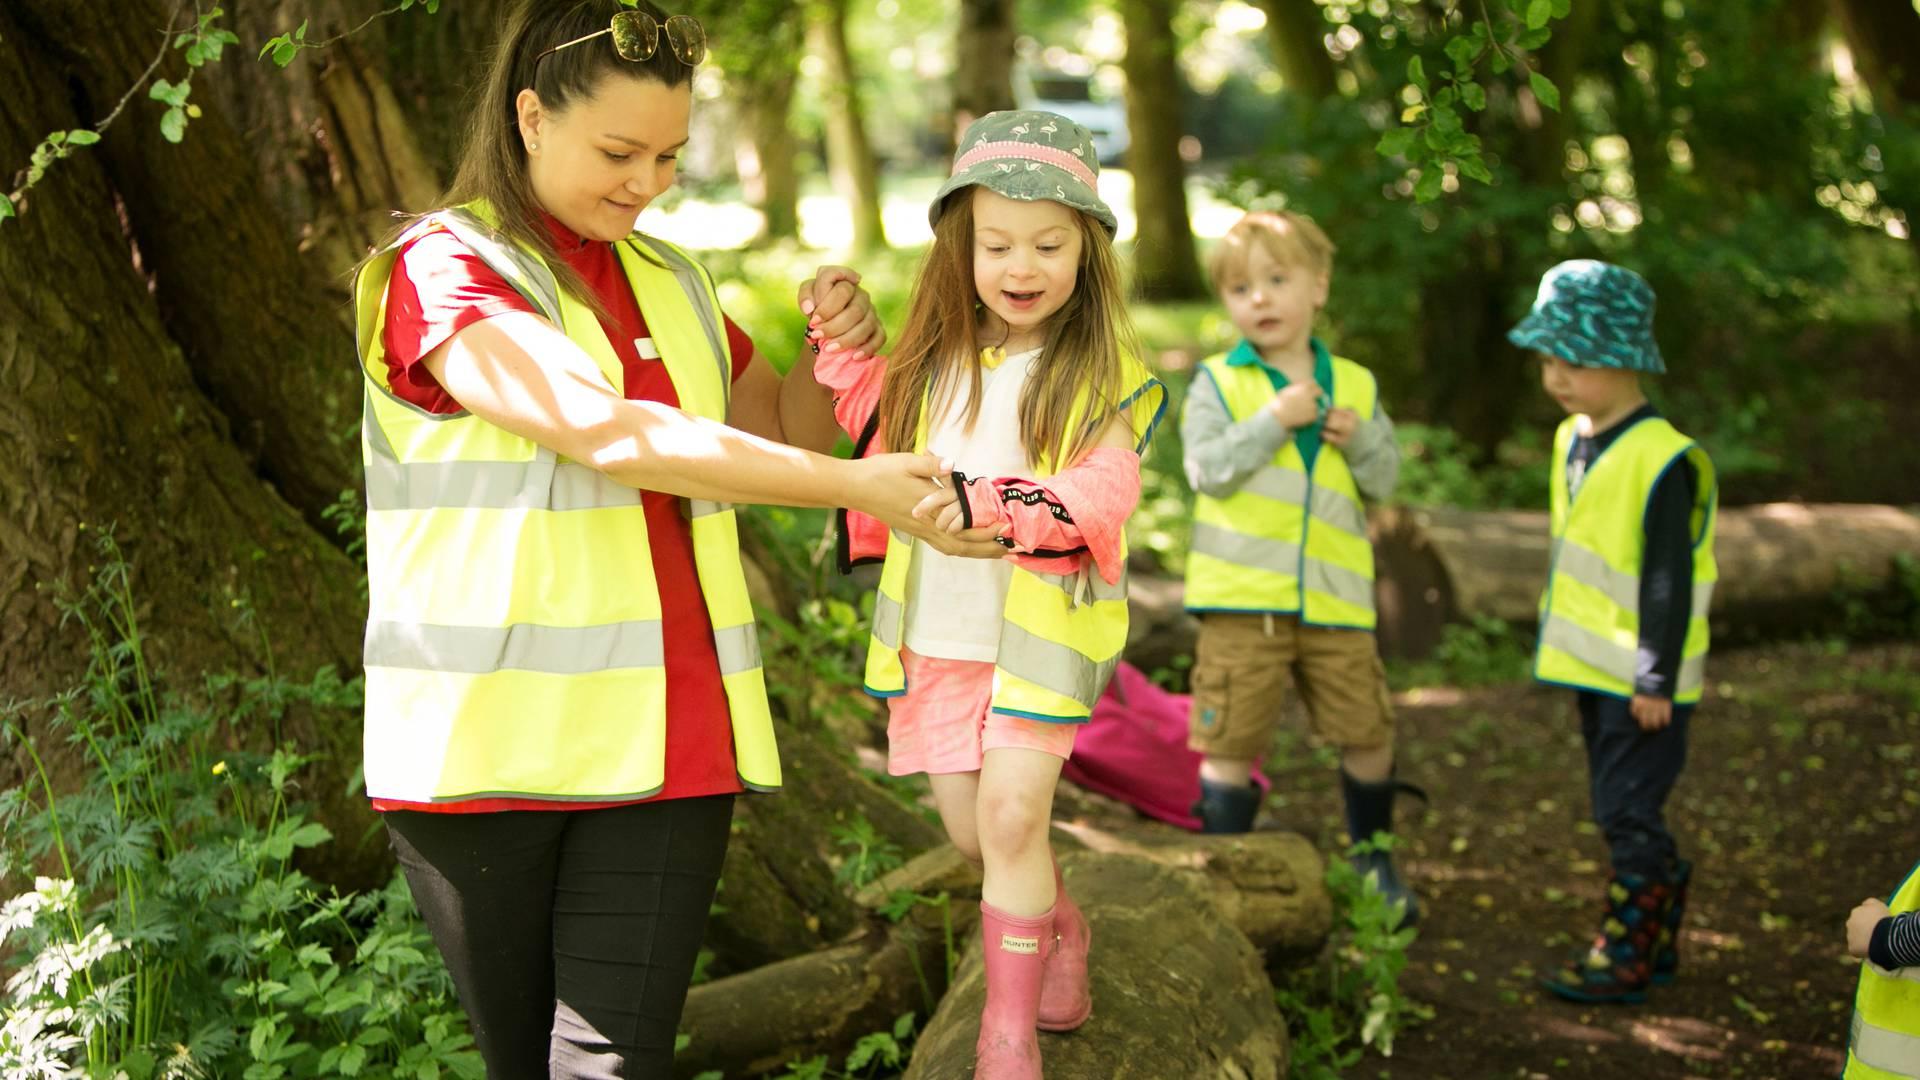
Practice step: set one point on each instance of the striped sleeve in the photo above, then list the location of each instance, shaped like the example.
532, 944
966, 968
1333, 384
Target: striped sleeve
1896, 942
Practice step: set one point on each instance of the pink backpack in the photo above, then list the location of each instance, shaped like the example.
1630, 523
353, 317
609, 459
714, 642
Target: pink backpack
1135, 750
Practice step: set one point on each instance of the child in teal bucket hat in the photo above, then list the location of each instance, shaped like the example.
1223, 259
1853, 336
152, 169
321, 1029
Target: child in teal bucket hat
1017, 364
1623, 622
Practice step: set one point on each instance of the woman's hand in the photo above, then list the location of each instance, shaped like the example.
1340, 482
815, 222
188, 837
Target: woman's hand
838, 310
891, 487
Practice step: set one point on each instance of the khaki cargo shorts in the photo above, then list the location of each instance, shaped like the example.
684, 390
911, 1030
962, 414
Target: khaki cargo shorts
1243, 663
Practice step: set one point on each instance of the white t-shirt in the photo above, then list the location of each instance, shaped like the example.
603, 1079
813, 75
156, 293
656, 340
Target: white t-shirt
955, 605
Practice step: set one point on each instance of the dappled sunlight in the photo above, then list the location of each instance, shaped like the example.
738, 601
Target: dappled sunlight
1684, 1036
1575, 1031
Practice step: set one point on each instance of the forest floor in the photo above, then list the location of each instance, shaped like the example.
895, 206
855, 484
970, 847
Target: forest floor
1799, 800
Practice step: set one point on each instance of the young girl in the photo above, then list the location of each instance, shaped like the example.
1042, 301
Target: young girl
1017, 366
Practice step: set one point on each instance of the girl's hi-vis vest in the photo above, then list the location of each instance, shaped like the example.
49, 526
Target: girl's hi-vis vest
514, 639
1061, 634
1886, 1010
1590, 614
1290, 541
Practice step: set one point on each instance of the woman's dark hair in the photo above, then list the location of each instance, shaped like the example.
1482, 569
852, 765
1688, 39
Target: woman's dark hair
493, 161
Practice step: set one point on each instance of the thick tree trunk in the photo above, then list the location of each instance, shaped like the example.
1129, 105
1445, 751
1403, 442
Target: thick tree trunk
120, 248
1178, 991
261, 333
1295, 29
764, 151
856, 175
983, 62
1885, 38
1164, 262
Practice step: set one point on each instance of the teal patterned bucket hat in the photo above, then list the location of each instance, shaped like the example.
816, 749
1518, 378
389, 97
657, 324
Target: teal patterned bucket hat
1593, 314
1029, 155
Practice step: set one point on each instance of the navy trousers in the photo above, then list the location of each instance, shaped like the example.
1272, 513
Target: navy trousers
1630, 774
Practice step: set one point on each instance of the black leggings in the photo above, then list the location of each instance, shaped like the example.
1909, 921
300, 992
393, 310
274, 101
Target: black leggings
571, 935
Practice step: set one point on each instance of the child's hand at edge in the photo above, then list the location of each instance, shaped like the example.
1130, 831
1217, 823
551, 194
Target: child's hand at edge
1339, 427
1861, 923
1297, 405
1652, 713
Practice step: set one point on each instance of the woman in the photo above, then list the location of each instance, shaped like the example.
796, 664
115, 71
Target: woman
563, 684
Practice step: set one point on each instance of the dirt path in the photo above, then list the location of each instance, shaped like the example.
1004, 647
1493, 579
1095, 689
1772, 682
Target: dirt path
1799, 800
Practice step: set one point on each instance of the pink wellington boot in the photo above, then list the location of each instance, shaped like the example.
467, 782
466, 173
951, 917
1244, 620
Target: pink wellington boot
1065, 998
1016, 951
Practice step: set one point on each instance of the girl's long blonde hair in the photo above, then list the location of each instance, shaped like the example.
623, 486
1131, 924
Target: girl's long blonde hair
1087, 343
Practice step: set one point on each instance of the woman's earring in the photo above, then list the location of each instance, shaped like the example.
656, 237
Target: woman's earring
533, 148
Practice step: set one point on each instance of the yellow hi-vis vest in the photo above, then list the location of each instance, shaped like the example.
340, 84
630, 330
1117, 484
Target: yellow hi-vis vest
1290, 541
1060, 634
1886, 1010
1590, 613
513, 640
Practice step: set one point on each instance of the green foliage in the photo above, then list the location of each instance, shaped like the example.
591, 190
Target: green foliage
179, 939
1481, 652
1437, 468
878, 1053
1434, 139
870, 854
1350, 999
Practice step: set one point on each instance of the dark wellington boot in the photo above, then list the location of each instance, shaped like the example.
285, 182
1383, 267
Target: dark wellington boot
1618, 967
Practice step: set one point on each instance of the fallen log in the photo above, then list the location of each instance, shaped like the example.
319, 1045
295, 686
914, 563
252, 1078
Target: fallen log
1784, 568
778, 896
819, 1003
1178, 991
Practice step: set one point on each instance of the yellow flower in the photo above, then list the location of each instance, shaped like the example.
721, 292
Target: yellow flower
219, 767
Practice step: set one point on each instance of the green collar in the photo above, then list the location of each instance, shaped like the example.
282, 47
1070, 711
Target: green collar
1245, 355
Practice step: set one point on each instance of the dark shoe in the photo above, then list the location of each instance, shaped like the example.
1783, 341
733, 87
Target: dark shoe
1226, 809
1378, 866
1370, 811
1618, 967
1666, 951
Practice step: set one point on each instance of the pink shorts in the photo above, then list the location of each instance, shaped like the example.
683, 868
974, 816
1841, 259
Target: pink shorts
944, 723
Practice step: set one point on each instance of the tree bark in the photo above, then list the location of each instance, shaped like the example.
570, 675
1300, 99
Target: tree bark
983, 64
764, 152
1177, 989
820, 1002
1885, 38
1295, 29
856, 175
778, 892
1165, 264
101, 417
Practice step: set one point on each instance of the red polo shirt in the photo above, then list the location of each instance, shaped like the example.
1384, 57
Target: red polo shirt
439, 287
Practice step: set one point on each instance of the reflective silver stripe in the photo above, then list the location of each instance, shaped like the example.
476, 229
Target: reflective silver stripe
1588, 648
541, 484
704, 508
1056, 667
1912, 973
1275, 556
481, 650
1693, 671
1097, 586
1336, 509
1339, 582
1585, 565
739, 648
693, 283
887, 617
1882, 1048
525, 272
904, 538
1281, 485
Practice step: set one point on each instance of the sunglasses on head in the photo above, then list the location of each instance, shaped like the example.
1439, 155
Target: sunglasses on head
636, 37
